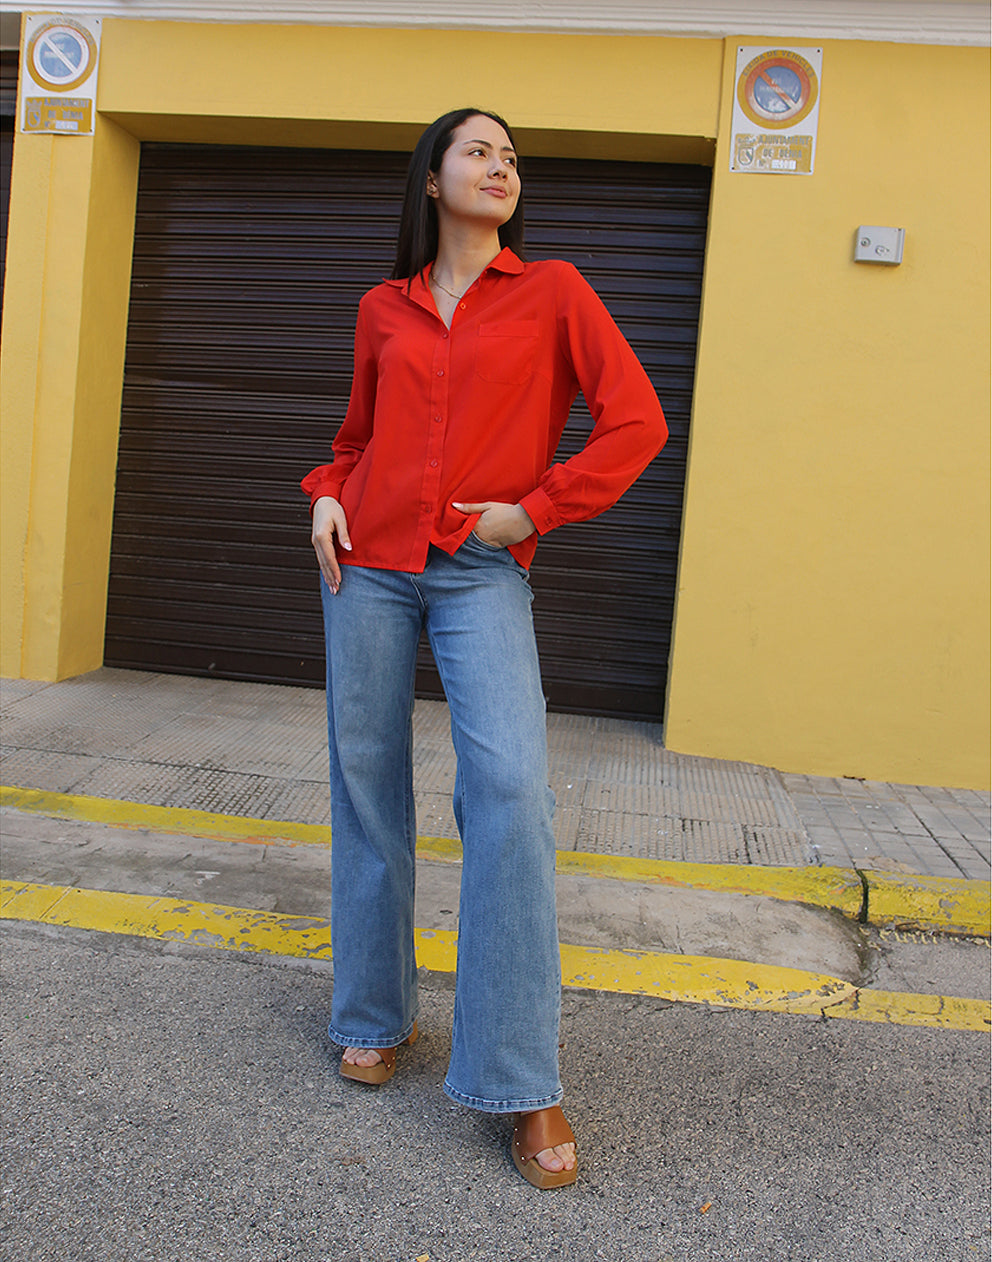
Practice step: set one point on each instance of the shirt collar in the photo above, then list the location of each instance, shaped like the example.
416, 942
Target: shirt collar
506, 261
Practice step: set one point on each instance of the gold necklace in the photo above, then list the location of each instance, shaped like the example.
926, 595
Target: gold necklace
435, 281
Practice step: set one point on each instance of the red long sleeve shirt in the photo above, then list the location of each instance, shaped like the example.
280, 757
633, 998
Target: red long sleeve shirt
475, 412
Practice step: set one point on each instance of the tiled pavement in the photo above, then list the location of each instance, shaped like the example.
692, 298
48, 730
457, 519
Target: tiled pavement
259, 750
916, 828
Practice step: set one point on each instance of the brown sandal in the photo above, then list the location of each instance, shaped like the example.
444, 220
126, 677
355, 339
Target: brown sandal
533, 1132
383, 1069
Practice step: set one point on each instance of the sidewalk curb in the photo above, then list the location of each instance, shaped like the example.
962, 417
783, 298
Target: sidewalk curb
902, 901
719, 982
879, 898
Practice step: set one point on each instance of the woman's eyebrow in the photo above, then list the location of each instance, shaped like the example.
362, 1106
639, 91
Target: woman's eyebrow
487, 145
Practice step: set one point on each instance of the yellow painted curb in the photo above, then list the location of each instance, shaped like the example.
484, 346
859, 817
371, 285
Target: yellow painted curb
837, 888
682, 978
183, 821
929, 902
170, 919
934, 904
164, 819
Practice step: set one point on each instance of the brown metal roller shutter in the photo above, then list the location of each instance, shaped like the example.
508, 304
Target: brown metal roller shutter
8, 108
247, 272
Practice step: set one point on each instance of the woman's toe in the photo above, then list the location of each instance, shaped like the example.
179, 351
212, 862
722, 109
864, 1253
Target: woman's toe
363, 1057
555, 1159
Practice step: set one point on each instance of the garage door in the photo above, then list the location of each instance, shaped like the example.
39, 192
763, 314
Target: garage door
248, 268
8, 108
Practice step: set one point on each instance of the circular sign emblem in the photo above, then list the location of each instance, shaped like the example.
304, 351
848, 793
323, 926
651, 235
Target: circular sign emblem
777, 89
61, 55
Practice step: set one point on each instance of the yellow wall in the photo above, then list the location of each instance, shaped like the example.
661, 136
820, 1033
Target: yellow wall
833, 593
65, 315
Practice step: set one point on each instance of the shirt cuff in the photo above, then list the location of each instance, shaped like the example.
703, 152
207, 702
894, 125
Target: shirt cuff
320, 481
541, 511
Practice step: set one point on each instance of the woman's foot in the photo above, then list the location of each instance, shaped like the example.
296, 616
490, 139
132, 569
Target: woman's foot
544, 1148
372, 1065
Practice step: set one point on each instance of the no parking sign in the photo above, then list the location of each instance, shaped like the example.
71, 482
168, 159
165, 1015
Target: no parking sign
58, 74
776, 110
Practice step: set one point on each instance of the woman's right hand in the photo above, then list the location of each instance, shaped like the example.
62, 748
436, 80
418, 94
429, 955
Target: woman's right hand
329, 522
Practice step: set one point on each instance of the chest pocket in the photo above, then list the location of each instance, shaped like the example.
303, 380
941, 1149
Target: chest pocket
505, 351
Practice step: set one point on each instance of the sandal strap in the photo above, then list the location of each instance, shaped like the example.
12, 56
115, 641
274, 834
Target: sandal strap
545, 1128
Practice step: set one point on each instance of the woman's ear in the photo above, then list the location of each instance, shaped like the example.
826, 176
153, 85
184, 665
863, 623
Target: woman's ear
431, 184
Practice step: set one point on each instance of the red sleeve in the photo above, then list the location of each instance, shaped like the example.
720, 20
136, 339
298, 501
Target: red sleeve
356, 428
629, 426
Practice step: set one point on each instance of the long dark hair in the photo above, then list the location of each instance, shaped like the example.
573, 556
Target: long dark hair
416, 244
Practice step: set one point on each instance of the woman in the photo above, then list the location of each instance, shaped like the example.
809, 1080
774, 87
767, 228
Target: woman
466, 364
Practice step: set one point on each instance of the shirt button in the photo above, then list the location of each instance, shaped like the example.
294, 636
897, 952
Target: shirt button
462, 305
444, 337
440, 372
433, 464
438, 419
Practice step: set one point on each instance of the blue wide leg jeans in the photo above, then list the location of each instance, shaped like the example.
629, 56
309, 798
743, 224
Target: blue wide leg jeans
475, 606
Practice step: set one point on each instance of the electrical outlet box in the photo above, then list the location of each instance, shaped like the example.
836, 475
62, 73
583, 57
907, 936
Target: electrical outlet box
879, 245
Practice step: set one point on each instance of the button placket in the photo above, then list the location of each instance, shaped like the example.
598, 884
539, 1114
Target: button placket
438, 411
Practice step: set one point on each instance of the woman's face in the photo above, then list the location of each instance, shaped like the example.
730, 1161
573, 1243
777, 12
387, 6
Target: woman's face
478, 180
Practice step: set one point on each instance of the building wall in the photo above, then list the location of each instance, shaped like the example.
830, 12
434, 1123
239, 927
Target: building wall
833, 596
833, 593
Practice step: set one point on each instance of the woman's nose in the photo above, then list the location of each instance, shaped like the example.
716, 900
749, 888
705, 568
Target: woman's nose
498, 169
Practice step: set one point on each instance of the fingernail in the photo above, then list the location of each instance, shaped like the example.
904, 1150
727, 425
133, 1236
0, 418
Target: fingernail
346, 546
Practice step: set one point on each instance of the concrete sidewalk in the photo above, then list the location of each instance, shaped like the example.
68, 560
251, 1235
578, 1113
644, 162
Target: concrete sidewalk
131, 798
260, 750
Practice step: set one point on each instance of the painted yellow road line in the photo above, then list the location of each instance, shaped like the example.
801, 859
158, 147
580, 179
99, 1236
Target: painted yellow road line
837, 888
170, 919
701, 979
682, 978
944, 1011
934, 904
164, 819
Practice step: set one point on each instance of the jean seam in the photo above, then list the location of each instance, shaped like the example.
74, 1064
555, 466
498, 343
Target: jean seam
529, 1105
373, 1044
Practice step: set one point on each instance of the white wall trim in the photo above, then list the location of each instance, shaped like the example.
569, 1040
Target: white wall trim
965, 22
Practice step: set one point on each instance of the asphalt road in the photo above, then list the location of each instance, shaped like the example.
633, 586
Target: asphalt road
167, 1103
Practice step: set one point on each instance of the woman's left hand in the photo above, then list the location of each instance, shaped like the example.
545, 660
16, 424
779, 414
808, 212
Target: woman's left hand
499, 524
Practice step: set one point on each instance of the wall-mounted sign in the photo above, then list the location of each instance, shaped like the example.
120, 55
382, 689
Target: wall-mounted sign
58, 74
776, 109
